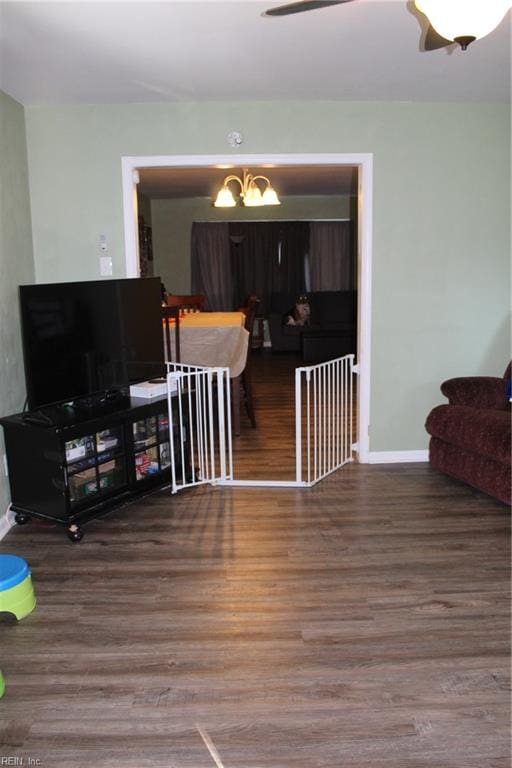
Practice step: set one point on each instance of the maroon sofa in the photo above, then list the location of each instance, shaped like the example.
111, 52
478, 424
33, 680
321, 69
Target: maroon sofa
470, 436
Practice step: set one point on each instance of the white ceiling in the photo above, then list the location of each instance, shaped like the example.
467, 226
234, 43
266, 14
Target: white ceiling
123, 52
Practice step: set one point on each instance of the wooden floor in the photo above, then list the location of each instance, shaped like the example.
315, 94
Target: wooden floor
363, 623
268, 452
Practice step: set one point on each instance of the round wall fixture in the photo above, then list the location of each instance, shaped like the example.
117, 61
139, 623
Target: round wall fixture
235, 138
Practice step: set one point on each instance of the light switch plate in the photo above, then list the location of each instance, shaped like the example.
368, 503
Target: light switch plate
105, 266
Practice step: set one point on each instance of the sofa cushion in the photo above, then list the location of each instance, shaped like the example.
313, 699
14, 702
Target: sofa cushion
482, 431
292, 330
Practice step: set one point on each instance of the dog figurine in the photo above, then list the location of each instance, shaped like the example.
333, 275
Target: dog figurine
299, 314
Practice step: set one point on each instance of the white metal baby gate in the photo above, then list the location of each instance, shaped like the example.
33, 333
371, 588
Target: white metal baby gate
324, 411
201, 445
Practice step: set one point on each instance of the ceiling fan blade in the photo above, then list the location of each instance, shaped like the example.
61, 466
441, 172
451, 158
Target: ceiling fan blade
433, 40
301, 6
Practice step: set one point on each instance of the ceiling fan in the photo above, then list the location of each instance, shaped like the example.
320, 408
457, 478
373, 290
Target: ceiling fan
446, 18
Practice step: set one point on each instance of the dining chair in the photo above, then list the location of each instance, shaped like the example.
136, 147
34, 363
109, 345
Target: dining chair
249, 310
171, 320
192, 301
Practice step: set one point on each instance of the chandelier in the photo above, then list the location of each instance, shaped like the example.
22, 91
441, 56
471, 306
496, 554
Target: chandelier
463, 20
250, 192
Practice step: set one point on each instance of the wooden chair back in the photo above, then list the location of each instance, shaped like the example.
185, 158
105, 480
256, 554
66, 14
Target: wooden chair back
171, 319
245, 383
250, 311
191, 301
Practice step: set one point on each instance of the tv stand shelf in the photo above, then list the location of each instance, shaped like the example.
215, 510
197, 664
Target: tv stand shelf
76, 464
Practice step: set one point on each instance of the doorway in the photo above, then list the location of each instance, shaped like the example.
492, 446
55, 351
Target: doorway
364, 164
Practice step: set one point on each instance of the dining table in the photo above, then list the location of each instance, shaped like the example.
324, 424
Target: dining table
216, 340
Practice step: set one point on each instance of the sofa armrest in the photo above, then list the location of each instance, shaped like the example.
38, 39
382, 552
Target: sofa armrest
284, 338
476, 392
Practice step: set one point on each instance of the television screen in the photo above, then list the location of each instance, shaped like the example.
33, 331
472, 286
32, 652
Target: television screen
87, 338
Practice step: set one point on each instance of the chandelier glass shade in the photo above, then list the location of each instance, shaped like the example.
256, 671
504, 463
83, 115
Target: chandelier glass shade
464, 20
250, 192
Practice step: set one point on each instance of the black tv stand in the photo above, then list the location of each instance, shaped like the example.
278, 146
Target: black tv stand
38, 417
72, 465
107, 401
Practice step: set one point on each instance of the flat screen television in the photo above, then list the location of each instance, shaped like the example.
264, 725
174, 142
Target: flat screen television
88, 339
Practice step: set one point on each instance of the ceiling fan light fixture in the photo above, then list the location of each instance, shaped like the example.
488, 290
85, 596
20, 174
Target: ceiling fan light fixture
464, 41
464, 20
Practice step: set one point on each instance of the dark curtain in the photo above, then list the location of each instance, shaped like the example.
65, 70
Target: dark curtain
211, 265
268, 257
294, 237
254, 252
229, 262
332, 256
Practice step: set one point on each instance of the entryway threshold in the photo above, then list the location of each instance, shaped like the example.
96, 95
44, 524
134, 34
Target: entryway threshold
264, 483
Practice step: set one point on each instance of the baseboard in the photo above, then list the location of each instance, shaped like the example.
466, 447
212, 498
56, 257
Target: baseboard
6, 523
396, 457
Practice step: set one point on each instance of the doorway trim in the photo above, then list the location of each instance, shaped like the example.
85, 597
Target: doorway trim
364, 162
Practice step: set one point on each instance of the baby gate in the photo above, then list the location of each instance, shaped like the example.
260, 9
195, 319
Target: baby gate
201, 445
